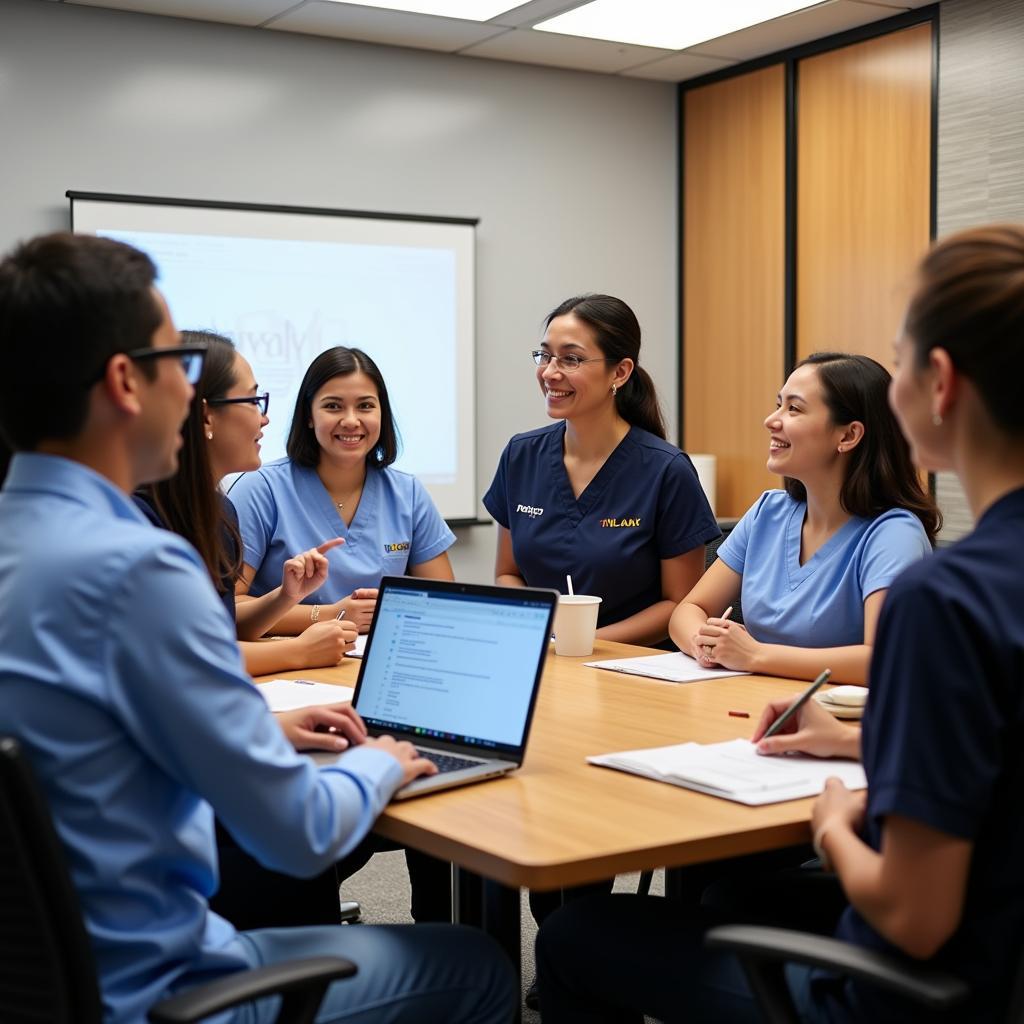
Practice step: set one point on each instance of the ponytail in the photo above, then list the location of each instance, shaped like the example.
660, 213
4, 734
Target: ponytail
637, 403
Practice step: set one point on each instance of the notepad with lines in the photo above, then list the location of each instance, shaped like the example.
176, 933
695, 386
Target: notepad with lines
734, 770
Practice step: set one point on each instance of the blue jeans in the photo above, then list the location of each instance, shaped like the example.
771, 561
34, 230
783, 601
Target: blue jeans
407, 973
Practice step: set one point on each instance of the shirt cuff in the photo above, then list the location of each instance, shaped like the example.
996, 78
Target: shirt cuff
375, 768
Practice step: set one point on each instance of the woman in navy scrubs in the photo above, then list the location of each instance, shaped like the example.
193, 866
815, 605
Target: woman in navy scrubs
813, 561
929, 857
600, 495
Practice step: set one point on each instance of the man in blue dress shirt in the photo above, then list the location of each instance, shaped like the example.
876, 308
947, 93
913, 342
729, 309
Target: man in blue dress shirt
121, 677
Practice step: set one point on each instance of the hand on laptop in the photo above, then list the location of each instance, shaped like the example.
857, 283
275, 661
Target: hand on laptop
324, 727
413, 766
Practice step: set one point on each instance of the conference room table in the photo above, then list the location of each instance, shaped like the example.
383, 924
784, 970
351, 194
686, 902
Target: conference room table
559, 821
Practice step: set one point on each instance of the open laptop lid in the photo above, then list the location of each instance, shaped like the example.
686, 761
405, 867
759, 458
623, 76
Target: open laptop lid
455, 665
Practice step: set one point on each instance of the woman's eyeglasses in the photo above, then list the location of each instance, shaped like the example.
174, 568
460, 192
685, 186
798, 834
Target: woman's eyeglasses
262, 402
567, 364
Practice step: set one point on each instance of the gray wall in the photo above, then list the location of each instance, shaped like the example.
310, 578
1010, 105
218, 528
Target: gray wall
572, 175
981, 141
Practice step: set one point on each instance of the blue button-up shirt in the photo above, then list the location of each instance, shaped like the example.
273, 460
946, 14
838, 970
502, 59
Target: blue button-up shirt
120, 674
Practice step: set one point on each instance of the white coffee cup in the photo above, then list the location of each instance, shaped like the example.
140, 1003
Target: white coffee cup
575, 624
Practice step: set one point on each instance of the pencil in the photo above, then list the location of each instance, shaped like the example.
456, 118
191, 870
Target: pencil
798, 703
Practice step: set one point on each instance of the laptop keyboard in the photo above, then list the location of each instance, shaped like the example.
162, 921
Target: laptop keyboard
448, 762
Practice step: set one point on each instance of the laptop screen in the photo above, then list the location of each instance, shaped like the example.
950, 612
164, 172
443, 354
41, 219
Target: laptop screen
454, 662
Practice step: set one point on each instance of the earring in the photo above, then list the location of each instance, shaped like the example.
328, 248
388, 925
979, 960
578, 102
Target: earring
615, 390
209, 435
936, 419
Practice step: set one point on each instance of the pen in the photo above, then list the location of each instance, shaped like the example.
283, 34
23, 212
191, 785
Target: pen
798, 703
341, 615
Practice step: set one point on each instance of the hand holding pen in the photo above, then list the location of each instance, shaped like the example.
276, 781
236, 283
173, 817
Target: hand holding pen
726, 643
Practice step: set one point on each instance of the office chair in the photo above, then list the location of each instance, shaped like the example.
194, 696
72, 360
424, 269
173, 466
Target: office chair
47, 972
763, 953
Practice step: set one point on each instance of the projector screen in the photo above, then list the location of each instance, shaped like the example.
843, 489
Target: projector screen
285, 283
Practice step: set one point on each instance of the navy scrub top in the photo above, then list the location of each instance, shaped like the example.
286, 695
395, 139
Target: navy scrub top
644, 505
941, 745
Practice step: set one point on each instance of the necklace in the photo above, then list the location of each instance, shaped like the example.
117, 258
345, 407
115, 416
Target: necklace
349, 499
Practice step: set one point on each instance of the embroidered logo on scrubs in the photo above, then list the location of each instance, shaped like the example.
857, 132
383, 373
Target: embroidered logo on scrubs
390, 549
530, 510
617, 524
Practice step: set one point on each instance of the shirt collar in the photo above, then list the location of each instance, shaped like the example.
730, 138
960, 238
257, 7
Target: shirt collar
53, 474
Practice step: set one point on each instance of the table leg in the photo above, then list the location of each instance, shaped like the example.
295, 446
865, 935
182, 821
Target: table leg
495, 909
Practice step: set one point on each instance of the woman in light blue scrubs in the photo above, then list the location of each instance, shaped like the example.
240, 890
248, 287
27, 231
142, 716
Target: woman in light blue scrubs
337, 481
812, 562
601, 495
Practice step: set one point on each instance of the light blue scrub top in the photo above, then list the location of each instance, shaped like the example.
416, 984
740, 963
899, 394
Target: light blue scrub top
284, 508
819, 603
121, 676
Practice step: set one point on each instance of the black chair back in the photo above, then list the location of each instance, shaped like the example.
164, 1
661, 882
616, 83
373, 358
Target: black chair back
47, 971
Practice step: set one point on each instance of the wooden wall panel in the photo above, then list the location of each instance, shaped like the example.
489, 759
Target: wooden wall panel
733, 276
863, 189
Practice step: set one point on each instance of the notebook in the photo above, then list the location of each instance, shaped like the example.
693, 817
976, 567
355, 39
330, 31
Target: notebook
455, 668
734, 770
670, 668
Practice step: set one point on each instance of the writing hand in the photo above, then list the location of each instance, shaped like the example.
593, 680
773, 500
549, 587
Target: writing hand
324, 644
812, 730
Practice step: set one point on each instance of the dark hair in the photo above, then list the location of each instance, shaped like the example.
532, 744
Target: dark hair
67, 304
970, 301
188, 503
303, 446
879, 472
617, 331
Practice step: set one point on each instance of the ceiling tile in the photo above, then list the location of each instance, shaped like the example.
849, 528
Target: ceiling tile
530, 47
394, 28
679, 67
793, 29
232, 12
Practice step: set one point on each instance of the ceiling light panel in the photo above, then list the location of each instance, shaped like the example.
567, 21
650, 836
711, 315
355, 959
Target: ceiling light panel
468, 10
671, 26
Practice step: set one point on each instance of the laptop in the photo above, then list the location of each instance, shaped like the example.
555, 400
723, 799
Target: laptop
454, 668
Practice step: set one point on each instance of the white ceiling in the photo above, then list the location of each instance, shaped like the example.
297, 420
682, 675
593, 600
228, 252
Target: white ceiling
510, 37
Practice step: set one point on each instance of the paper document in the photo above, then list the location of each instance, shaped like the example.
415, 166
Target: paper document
289, 694
672, 668
357, 651
735, 770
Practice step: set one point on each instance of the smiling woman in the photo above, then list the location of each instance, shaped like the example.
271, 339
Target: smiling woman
338, 480
812, 562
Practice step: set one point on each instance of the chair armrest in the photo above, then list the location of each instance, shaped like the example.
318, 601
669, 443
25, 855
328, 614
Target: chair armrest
917, 982
308, 977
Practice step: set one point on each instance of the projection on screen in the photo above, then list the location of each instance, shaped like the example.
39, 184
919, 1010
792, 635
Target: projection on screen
285, 285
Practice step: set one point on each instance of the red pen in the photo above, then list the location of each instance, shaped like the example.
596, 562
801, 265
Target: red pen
739, 714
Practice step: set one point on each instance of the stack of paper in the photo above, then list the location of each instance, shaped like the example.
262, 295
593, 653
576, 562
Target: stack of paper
289, 694
671, 668
735, 770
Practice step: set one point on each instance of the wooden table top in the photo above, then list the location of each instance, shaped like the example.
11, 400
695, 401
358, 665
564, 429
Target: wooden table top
559, 821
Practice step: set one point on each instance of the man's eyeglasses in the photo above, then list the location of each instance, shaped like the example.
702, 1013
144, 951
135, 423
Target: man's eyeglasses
191, 357
567, 364
262, 402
